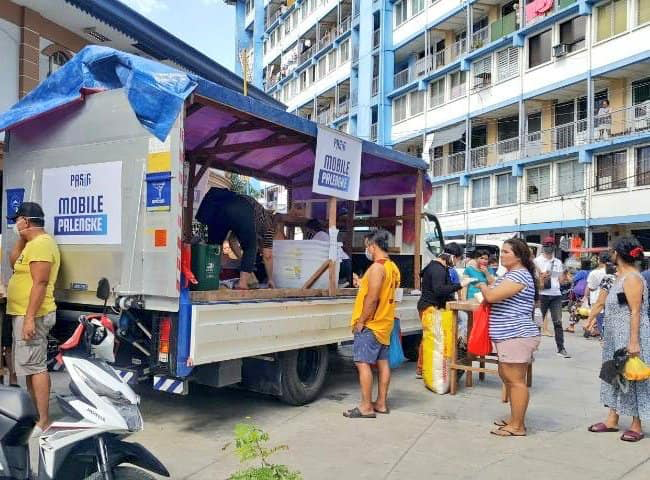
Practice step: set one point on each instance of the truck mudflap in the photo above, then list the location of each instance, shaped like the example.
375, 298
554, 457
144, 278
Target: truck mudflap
170, 385
133, 376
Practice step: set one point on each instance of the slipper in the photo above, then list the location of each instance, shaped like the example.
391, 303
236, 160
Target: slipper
601, 428
356, 413
501, 432
500, 423
632, 436
384, 412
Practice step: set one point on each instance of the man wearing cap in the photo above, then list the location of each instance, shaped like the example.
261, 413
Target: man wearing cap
551, 274
30, 302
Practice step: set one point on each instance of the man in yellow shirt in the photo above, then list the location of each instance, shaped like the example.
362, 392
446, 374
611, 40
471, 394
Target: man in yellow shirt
30, 301
372, 323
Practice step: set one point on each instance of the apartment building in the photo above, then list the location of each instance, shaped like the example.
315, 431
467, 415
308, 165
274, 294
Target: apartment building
534, 114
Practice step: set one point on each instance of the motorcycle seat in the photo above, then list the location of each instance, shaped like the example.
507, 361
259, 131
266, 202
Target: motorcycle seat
16, 403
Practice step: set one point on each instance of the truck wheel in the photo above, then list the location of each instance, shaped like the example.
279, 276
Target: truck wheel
124, 473
303, 374
411, 346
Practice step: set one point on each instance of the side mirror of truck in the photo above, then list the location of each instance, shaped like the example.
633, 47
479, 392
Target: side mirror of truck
103, 289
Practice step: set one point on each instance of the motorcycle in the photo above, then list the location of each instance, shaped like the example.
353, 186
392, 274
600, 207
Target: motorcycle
100, 409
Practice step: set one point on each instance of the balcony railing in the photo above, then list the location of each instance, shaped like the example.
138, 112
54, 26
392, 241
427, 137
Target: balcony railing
326, 39
502, 27
402, 78
344, 26
375, 86
306, 55
480, 38
626, 121
273, 17
373, 132
343, 108
429, 64
325, 117
456, 162
375, 38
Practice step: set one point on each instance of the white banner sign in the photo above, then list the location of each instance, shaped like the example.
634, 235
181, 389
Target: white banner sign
337, 170
83, 203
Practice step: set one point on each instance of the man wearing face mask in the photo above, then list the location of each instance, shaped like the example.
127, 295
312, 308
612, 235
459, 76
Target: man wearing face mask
439, 284
551, 273
30, 302
372, 323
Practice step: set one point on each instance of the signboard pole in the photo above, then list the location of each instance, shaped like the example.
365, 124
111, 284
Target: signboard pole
417, 261
331, 213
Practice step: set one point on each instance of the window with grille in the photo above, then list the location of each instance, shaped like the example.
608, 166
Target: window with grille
437, 93
506, 189
611, 19
436, 160
399, 109
331, 60
322, 68
416, 7
571, 177
507, 63
345, 51
572, 33
455, 197
457, 84
482, 73
481, 192
538, 183
642, 166
416, 106
435, 203
611, 170
303, 80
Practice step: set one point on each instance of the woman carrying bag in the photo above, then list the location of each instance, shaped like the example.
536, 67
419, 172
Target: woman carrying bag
513, 330
626, 325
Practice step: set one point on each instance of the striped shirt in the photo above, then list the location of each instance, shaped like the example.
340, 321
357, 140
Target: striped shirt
513, 317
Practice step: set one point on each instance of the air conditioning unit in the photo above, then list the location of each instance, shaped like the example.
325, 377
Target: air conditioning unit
560, 50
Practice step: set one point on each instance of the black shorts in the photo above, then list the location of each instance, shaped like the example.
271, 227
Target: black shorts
7, 330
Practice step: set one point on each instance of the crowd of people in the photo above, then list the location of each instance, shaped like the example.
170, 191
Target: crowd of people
615, 293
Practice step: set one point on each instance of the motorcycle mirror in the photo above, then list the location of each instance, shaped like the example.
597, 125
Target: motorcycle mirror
103, 289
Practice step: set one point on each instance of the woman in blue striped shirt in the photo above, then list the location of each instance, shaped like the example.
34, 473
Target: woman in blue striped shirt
513, 330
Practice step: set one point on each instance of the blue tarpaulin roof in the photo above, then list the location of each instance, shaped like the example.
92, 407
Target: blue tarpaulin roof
226, 129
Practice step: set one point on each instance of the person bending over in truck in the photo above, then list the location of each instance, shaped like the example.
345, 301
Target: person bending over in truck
224, 211
372, 323
30, 302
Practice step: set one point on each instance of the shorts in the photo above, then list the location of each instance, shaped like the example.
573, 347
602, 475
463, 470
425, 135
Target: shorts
30, 356
517, 350
367, 349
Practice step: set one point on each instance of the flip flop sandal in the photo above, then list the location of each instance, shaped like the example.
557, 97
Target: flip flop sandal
356, 413
601, 428
632, 436
506, 433
384, 412
500, 423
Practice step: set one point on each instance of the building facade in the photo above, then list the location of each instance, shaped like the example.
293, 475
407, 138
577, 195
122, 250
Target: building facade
534, 115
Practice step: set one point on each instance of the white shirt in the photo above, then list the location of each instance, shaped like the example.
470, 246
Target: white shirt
593, 283
556, 269
324, 237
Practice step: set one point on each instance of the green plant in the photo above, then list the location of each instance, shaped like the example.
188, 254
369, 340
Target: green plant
249, 445
242, 185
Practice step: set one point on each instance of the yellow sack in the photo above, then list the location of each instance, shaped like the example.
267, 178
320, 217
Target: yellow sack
636, 370
437, 341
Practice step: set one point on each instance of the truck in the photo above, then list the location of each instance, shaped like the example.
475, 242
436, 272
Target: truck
113, 145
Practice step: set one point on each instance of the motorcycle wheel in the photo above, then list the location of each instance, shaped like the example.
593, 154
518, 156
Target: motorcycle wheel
124, 473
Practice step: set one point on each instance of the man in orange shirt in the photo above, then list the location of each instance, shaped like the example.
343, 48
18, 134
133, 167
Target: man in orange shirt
372, 323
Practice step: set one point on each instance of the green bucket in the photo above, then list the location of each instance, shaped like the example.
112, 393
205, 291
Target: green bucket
206, 266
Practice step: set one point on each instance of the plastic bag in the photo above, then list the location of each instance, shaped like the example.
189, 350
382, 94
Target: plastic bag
395, 353
479, 343
636, 370
437, 343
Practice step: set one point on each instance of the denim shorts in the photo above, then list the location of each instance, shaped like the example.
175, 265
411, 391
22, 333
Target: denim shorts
367, 349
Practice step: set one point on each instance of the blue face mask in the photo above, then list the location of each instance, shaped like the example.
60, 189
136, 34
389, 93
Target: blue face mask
492, 270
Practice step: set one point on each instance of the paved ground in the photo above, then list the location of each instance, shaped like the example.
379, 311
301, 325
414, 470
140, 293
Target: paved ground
425, 436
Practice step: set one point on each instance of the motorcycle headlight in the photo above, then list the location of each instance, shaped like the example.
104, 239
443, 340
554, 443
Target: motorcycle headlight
131, 414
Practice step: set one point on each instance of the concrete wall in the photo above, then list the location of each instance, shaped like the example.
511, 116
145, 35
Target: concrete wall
9, 46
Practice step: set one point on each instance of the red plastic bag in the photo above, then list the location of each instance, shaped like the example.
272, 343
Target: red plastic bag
479, 343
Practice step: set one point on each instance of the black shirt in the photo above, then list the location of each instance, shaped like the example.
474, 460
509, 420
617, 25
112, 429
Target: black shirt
437, 288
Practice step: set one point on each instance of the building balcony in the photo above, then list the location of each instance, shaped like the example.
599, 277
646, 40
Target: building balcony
448, 164
607, 127
480, 38
342, 108
539, 9
504, 26
325, 117
344, 27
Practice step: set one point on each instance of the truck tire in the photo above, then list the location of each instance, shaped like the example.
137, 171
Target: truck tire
303, 374
124, 473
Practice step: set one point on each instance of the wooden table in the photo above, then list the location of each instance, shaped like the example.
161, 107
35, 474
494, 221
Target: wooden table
465, 363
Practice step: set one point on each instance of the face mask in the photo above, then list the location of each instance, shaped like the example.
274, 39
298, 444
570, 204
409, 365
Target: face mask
368, 255
548, 250
15, 229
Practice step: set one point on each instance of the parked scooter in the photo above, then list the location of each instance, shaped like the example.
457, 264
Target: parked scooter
101, 408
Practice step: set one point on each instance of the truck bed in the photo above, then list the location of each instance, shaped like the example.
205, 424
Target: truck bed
230, 329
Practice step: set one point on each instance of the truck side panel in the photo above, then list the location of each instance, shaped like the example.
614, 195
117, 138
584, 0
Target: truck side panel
102, 129
235, 330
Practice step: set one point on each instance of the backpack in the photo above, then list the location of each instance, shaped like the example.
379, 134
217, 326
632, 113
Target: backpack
580, 288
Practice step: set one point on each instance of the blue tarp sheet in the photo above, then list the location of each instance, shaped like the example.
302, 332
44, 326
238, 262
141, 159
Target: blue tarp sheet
155, 91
